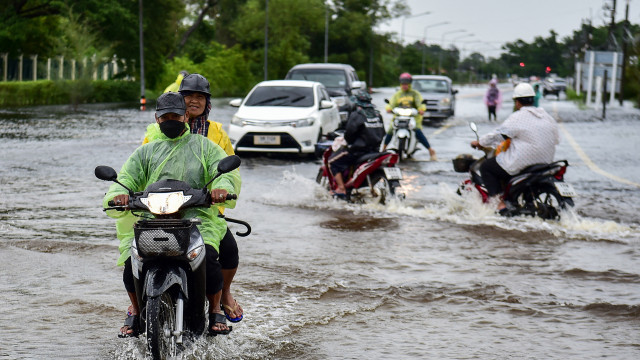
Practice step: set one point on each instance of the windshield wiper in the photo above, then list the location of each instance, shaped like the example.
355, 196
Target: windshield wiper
269, 100
298, 99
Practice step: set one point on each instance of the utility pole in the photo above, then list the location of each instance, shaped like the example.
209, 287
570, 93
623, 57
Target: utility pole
625, 39
266, 39
326, 33
143, 100
613, 44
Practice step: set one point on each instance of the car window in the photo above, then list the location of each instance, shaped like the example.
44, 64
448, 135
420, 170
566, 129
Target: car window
325, 95
328, 77
354, 75
295, 96
430, 85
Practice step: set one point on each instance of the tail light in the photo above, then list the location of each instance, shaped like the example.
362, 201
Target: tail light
560, 174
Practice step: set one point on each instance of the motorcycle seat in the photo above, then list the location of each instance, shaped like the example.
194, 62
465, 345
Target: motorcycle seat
542, 167
368, 157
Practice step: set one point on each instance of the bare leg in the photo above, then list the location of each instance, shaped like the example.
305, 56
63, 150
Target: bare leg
234, 310
340, 182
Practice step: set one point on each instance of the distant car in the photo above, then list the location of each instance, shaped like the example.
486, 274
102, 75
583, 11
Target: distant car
341, 81
439, 95
554, 86
283, 116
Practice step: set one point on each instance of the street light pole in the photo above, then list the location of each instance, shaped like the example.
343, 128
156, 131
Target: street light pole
424, 40
442, 47
266, 39
143, 101
461, 37
326, 33
407, 17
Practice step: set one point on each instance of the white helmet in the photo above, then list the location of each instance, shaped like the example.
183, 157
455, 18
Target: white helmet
523, 90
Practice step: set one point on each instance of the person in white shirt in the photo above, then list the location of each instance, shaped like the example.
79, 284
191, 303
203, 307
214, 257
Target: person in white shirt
527, 137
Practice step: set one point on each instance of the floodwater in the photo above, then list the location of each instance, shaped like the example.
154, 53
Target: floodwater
437, 276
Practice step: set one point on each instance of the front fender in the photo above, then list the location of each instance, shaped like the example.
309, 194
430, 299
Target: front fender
403, 133
159, 279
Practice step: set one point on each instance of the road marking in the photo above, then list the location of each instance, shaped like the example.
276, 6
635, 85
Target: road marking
441, 129
586, 158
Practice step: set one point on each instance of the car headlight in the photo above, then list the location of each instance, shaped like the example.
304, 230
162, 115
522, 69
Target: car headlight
445, 102
303, 122
237, 121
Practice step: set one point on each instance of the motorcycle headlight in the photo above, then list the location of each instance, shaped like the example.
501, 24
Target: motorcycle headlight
165, 203
237, 121
405, 112
303, 122
445, 102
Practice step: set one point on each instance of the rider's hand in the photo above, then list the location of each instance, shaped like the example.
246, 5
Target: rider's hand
121, 200
421, 112
475, 144
219, 195
389, 111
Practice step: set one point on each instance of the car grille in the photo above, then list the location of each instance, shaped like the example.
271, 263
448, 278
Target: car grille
432, 104
286, 141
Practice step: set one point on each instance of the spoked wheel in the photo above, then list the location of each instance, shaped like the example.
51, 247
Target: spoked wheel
381, 191
544, 202
161, 318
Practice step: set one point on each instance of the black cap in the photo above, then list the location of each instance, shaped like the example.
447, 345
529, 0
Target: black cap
170, 102
195, 83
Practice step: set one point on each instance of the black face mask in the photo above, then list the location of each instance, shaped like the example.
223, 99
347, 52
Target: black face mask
172, 128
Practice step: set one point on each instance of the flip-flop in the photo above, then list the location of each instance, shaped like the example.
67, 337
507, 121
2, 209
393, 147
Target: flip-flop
217, 318
132, 322
228, 308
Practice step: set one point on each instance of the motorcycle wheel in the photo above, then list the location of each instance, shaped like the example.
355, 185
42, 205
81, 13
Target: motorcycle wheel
545, 203
161, 318
382, 189
401, 148
322, 180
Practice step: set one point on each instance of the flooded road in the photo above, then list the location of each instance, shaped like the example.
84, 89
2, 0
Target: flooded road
436, 276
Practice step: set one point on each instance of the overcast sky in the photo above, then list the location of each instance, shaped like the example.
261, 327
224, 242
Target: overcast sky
495, 22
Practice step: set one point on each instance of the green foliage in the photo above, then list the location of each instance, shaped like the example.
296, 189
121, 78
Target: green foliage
46, 92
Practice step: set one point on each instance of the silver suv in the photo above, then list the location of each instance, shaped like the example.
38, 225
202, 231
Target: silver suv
439, 95
340, 80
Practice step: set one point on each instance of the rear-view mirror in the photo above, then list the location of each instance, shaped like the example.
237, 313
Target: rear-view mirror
326, 104
235, 102
228, 164
106, 173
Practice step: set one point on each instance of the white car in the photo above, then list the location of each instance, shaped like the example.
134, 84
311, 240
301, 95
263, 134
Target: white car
283, 116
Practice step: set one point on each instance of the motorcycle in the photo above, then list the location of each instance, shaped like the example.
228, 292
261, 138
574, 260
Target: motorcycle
374, 179
404, 140
537, 190
167, 258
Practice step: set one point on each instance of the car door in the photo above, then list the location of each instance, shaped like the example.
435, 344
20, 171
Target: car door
330, 118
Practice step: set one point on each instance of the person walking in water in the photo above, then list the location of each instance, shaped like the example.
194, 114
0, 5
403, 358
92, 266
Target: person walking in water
493, 99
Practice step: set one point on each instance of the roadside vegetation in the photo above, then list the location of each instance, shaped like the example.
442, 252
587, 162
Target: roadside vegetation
224, 40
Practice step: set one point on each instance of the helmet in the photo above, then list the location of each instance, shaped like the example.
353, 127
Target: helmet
523, 90
405, 78
195, 83
362, 99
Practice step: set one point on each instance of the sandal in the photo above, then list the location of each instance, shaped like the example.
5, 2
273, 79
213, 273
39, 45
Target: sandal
227, 309
217, 318
132, 324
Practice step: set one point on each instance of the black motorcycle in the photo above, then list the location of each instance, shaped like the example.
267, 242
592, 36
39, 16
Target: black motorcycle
538, 190
167, 258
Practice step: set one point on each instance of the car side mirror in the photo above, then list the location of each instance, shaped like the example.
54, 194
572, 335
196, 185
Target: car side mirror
357, 85
454, 91
326, 104
235, 102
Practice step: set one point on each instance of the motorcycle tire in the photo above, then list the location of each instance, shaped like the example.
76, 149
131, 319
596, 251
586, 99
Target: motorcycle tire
401, 148
544, 201
383, 188
161, 317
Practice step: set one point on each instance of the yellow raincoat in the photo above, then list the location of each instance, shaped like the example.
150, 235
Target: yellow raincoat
409, 99
190, 158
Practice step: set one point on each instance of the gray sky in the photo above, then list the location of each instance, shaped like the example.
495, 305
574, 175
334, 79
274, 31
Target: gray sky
495, 22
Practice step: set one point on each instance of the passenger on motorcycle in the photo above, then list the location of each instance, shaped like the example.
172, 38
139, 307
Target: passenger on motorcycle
363, 133
171, 156
409, 98
528, 136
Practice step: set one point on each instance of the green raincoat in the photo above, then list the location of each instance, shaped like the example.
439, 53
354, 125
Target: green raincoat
191, 158
410, 99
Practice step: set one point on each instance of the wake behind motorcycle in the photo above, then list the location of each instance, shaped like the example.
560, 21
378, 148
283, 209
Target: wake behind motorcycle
538, 190
374, 179
167, 258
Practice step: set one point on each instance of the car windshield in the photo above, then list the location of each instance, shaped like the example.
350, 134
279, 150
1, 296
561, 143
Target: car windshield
430, 85
329, 78
295, 96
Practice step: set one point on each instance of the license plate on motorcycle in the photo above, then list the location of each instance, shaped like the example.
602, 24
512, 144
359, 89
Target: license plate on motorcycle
565, 189
392, 173
266, 139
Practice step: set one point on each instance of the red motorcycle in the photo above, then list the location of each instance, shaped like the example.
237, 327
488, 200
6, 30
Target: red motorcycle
374, 178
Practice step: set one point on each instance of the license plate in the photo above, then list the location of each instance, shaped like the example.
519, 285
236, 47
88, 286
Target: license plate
266, 139
392, 173
565, 189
